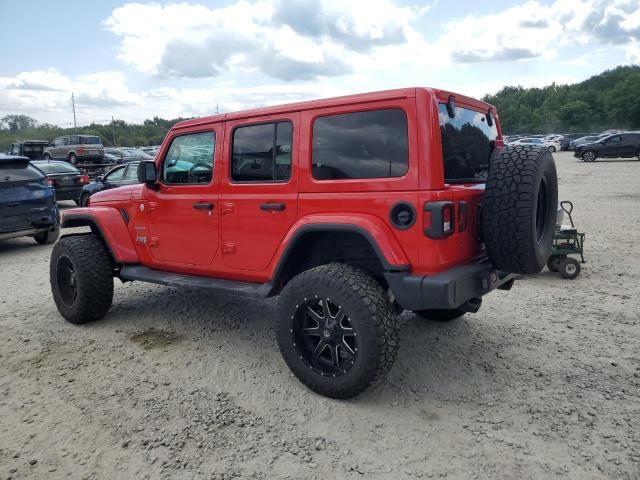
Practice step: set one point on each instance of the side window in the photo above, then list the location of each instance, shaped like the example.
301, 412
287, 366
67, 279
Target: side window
15, 149
190, 159
262, 153
58, 142
75, 140
369, 144
114, 175
65, 140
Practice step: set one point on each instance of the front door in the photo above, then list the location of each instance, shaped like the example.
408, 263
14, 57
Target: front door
183, 218
259, 200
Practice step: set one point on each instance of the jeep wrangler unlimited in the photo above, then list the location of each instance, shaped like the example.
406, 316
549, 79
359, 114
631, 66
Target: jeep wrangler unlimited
351, 209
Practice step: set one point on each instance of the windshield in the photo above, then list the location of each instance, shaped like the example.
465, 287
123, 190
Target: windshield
467, 144
90, 141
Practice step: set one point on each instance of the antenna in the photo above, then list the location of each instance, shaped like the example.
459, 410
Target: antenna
73, 105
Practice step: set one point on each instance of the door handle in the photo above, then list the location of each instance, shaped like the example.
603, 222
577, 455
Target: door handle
203, 206
274, 207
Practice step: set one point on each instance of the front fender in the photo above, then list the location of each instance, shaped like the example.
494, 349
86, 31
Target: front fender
110, 225
379, 235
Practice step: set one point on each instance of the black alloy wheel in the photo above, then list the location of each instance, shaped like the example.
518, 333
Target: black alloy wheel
67, 281
323, 336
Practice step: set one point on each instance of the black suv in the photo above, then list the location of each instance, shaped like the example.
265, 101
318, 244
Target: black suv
32, 149
618, 145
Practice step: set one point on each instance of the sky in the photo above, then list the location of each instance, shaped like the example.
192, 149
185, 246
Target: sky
137, 60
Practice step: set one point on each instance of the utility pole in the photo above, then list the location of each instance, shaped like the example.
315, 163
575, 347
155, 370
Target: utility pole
73, 105
217, 111
113, 130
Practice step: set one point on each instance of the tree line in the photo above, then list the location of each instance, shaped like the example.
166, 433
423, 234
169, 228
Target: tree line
605, 101
115, 133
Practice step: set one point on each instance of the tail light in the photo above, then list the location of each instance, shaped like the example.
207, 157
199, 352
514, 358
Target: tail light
438, 219
84, 179
80, 150
51, 182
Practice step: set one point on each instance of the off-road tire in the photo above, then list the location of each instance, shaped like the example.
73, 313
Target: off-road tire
370, 312
589, 156
519, 208
569, 268
440, 315
94, 278
553, 264
48, 237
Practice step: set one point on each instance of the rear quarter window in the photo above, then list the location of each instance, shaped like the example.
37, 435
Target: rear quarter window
366, 144
468, 142
18, 172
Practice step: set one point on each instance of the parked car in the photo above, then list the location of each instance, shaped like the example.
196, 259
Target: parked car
76, 149
351, 209
568, 137
619, 145
27, 202
116, 177
33, 149
134, 155
582, 140
552, 146
65, 178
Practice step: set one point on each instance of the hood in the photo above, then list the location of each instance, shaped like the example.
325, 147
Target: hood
118, 194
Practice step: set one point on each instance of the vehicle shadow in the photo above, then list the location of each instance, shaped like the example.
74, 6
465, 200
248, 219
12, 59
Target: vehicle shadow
17, 245
457, 359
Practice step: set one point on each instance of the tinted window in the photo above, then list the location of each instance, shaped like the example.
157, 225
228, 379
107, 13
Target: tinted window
114, 175
18, 171
74, 140
262, 153
65, 141
467, 144
370, 144
56, 167
190, 159
90, 141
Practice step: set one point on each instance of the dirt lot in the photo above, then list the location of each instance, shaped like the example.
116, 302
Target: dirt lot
544, 382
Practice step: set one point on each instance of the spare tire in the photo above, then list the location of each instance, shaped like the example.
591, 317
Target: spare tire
519, 208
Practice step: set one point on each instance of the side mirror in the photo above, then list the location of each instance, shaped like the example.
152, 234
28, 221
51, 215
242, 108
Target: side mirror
147, 172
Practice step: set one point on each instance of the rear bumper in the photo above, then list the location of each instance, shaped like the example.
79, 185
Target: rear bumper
68, 193
449, 289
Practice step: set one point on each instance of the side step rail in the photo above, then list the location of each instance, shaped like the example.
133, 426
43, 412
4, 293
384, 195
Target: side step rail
144, 274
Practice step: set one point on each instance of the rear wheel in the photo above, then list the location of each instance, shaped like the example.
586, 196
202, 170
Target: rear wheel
519, 208
337, 330
47, 156
48, 237
552, 149
81, 276
84, 199
589, 156
569, 268
553, 264
73, 159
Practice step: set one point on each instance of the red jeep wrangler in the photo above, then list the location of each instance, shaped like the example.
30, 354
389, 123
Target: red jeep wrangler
350, 209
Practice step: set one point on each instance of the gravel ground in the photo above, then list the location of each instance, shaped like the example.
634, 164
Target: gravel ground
544, 382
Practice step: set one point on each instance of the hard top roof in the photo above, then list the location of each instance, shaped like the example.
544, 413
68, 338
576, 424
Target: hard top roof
442, 95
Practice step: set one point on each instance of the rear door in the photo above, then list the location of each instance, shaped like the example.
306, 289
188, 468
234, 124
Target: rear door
259, 191
468, 140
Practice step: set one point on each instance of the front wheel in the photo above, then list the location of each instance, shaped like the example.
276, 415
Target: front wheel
337, 330
81, 276
552, 149
569, 268
589, 156
84, 200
